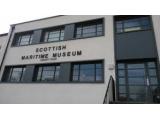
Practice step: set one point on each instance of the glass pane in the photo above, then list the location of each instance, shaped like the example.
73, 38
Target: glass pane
75, 78
122, 81
137, 97
99, 74
76, 67
75, 72
121, 73
122, 89
153, 81
56, 77
136, 72
139, 81
16, 75
45, 68
132, 29
99, 78
133, 66
137, 89
99, 65
119, 25
151, 64
87, 66
152, 72
121, 66
87, 75
145, 21
131, 23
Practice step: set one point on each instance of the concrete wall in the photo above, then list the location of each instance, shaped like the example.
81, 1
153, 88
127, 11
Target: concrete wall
156, 25
92, 49
3, 44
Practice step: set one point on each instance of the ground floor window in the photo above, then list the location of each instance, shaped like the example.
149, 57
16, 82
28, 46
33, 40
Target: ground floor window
13, 74
75, 72
87, 72
47, 73
137, 81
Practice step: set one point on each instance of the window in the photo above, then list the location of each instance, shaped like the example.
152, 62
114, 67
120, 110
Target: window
136, 80
47, 73
13, 74
89, 29
133, 24
87, 72
53, 35
23, 39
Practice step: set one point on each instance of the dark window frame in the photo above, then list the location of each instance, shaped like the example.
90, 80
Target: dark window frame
10, 69
53, 29
35, 77
18, 38
126, 85
79, 69
138, 19
90, 23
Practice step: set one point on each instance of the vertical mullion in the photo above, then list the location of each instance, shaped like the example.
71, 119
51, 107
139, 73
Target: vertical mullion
19, 41
55, 68
60, 30
48, 36
20, 79
127, 83
79, 68
41, 74
95, 72
96, 28
9, 79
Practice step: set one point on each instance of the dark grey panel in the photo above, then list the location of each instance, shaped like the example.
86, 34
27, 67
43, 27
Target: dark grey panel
69, 32
6, 74
37, 36
135, 45
28, 74
65, 72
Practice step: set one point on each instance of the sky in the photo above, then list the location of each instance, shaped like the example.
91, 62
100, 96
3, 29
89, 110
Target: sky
16, 11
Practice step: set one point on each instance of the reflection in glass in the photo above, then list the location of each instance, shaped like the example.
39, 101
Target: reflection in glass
136, 72
136, 80
87, 72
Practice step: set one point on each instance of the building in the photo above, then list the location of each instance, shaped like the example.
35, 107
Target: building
81, 59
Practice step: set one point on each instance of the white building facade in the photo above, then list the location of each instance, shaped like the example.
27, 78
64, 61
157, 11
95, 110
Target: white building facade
81, 59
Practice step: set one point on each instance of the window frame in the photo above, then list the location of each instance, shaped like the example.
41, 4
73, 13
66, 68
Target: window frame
96, 22
36, 72
140, 19
83, 63
53, 29
7, 79
16, 42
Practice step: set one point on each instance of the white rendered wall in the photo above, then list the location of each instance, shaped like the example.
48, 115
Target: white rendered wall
3, 44
96, 48
156, 25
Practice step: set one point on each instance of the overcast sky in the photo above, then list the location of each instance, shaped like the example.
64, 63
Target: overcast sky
15, 11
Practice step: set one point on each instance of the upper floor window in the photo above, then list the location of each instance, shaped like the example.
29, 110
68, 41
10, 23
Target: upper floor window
53, 35
87, 72
89, 29
23, 39
133, 24
47, 73
13, 74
